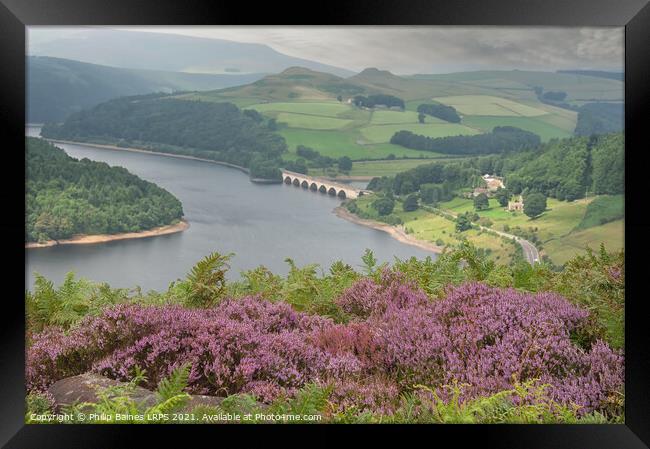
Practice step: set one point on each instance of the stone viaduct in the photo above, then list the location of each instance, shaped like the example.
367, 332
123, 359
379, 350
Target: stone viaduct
322, 185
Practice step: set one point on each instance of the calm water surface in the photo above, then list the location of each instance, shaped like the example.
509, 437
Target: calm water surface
261, 224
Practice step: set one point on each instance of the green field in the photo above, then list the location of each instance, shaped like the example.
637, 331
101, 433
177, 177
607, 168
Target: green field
345, 143
383, 133
379, 168
535, 125
558, 228
311, 121
323, 108
395, 117
489, 105
441, 231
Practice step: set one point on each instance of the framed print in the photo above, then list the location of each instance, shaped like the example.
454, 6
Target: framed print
374, 217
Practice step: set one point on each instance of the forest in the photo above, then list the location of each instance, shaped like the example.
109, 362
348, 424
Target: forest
217, 131
67, 196
501, 139
410, 342
441, 111
565, 169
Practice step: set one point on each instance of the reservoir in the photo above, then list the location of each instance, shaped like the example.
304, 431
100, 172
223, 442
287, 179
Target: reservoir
260, 224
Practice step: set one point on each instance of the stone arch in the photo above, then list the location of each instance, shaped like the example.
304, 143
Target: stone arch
304, 185
287, 180
322, 189
296, 182
361, 193
331, 191
313, 187
342, 194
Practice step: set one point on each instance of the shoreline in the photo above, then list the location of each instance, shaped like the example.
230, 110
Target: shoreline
142, 150
103, 238
396, 233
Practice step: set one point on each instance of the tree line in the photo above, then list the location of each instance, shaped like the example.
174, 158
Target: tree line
441, 111
378, 100
501, 139
67, 196
217, 131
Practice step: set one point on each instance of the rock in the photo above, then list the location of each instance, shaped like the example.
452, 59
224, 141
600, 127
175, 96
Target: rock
83, 388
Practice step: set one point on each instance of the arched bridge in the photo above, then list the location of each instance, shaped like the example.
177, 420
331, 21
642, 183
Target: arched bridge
322, 185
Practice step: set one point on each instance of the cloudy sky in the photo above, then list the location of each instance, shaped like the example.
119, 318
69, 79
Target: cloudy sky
407, 50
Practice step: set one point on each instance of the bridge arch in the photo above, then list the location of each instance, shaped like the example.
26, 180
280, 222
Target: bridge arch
342, 194
313, 187
331, 191
296, 182
287, 180
322, 189
304, 185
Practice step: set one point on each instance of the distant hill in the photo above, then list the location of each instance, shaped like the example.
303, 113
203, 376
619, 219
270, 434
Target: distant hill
580, 88
58, 87
169, 52
620, 76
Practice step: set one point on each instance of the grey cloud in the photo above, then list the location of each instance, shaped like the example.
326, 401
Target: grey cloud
405, 50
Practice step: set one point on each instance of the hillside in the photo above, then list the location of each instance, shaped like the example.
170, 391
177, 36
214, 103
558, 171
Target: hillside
58, 87
141, 50
67, 197
216, 131
313, 108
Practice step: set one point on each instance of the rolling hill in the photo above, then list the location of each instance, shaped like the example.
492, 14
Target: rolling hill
305, 103
142, 50
57, 87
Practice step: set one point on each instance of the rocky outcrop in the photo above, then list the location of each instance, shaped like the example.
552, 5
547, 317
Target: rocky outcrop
84, 388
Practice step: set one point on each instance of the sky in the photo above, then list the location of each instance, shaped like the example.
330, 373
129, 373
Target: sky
441, 49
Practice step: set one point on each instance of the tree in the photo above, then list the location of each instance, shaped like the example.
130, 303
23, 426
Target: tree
463, 223
410, 203
503, 196
345, 164
339, 98
534, 204
384, 206
421, 117
481, 202
272, 125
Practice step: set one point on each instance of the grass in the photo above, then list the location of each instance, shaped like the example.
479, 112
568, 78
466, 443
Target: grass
433, 228
603, 209
311, 121
395, 117
564, 248
559, 228
383, 133
489, 105
327, 109
545, 131
378, 168
338, 143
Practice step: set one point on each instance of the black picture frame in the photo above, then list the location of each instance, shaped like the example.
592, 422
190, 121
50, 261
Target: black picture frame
634, 15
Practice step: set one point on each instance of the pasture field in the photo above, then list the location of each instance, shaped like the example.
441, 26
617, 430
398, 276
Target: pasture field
311, 121
559, 228
489, 105
383, 133
338, 143
544, 130
429, 227
379, 168
612, 234
380, 117
322, 108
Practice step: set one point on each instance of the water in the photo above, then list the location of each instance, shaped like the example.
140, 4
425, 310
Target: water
261, 224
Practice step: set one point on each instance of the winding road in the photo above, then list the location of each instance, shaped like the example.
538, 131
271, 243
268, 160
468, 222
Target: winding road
531, 254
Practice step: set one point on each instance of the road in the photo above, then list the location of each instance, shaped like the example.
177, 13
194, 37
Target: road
530, 252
